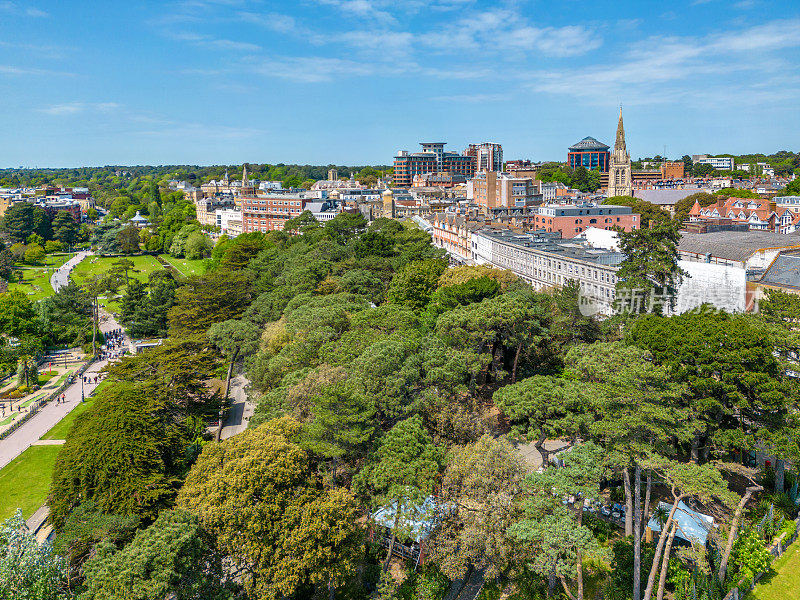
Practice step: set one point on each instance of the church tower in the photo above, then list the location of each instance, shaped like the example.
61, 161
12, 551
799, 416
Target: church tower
619, 169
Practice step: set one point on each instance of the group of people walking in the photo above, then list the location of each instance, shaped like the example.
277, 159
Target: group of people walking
113, 347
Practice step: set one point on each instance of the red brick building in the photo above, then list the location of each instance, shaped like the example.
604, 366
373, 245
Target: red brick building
573, 219
269, 213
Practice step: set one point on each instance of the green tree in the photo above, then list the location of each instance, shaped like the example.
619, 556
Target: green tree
556, 539
255, 493
17, 317
198, 246
343, 423
414, 284
18, 221
213, 298
34, 254
134, 308
649, 276
65, 229
792, 188
85, 526
174, 557
128, 240
234, 337
480, 484
650, 213
29, 571
122, 454
404, 473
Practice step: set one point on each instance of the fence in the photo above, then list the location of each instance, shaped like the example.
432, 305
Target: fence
34, 408
777, 549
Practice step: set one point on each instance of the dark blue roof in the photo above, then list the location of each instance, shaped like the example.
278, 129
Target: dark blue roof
587, 144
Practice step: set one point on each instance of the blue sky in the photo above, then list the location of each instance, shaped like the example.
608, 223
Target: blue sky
353, 81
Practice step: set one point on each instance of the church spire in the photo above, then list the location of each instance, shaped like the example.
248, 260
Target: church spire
244, 175
620, 143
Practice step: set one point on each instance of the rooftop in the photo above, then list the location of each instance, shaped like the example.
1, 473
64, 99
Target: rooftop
551, 242
665, 197
692, 525
587, 144
783, 272
735, 245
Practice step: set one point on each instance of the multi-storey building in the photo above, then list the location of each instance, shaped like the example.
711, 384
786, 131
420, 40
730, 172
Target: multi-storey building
545, 260
720, 163
756, 213
268, 213
488, 156
453, 232
672, 169
206, 208
589, 153
490, 189
434, 159
573, 219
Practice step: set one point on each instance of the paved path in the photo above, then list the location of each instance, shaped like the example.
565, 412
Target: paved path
61, 276
51, 413
241, 409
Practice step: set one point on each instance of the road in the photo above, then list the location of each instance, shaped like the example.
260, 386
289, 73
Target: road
61, 276
241, 409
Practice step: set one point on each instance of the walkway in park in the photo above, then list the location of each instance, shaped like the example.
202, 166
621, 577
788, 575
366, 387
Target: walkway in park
61, 276
51, 413
241, 408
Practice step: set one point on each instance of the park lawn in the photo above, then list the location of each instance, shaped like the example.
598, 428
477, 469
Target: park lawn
60, 430
8, 419
34, 283
97, 265
186, 266
25, 481
783, 580
56, 260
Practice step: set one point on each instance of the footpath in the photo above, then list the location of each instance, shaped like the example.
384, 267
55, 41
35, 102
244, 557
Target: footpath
51, 413
60, 278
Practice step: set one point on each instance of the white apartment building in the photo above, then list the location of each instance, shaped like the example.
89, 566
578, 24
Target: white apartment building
545, 260
229, 220
721, 163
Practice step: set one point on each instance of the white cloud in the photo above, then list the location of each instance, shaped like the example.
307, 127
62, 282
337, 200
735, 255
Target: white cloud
71, 108
273, 21
208, 41
373, 10
669, 69
14, 70
312, 69
472, 98
14, 8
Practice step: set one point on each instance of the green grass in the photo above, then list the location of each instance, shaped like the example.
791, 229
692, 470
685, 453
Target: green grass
63, 377
187, 267
61, 429
783, 580
97, 265
25, 481
27, 403
34, 282
8, 419
56, 260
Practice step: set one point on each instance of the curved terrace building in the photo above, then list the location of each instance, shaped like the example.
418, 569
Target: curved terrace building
589, 153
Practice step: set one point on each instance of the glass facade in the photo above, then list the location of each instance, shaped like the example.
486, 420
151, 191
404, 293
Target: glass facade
592, 160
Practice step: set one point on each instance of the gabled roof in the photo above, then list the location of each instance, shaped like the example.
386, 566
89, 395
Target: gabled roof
587, 144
